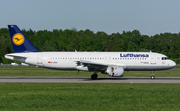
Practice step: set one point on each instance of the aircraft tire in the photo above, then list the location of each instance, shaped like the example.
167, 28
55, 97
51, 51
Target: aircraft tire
94, 76
152, 77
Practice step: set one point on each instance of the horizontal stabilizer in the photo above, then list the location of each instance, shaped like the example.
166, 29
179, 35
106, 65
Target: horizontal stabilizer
15, 55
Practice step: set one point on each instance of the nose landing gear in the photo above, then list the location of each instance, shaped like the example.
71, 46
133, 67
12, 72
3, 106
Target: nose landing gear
152, 75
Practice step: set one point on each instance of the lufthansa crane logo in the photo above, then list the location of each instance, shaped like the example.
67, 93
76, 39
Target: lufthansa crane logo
18, 39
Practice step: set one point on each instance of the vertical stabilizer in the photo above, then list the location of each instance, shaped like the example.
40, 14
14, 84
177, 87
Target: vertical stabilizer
19, 40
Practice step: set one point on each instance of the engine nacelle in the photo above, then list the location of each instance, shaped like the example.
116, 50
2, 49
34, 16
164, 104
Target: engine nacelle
115, 71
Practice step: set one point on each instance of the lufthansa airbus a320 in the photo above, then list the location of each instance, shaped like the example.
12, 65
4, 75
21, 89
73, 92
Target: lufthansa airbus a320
112, 63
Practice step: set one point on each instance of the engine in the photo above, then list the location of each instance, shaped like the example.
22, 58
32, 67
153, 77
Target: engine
115, 71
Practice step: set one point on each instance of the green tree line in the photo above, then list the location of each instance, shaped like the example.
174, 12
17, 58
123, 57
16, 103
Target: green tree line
87, 40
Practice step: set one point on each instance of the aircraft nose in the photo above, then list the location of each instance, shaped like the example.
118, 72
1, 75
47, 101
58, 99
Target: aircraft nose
173, 64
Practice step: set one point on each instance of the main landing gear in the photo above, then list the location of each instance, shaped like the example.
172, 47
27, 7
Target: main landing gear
94, 76
152, 75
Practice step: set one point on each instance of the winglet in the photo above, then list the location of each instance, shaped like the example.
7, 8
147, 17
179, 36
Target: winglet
19, 41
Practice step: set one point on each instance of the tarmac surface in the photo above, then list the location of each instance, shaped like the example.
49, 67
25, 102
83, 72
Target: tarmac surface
122, 80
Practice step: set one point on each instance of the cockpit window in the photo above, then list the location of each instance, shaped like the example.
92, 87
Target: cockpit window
165, 58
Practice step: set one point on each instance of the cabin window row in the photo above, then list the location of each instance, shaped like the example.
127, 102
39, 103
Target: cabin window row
95, 58
129, 58
76, 58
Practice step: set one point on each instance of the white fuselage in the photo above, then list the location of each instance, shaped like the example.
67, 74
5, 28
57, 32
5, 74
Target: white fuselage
130, 61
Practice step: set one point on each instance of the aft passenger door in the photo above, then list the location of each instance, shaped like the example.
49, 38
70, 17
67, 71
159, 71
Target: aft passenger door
39, 59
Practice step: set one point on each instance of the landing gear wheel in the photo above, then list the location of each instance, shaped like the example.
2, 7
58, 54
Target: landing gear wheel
94, 76
152, 77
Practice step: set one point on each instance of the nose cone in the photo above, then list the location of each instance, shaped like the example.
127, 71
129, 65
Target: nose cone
173, 64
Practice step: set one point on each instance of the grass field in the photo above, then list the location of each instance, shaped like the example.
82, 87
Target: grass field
89, 97
33, 71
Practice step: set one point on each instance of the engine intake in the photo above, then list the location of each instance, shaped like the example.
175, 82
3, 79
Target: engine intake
115, 71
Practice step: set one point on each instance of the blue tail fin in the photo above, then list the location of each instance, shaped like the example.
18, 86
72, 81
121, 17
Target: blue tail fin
19, 40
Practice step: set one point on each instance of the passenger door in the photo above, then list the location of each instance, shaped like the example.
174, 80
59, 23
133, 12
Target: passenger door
153, 59
39, 59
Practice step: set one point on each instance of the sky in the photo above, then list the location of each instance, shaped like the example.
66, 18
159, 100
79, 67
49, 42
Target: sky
150, 17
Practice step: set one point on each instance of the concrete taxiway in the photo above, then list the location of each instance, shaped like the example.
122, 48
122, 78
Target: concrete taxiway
123, 80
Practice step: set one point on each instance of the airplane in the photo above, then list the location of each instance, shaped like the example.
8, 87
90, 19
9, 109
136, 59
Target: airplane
112, 63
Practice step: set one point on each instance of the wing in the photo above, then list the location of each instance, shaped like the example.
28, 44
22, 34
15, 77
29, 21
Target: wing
89, 63
92, 66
